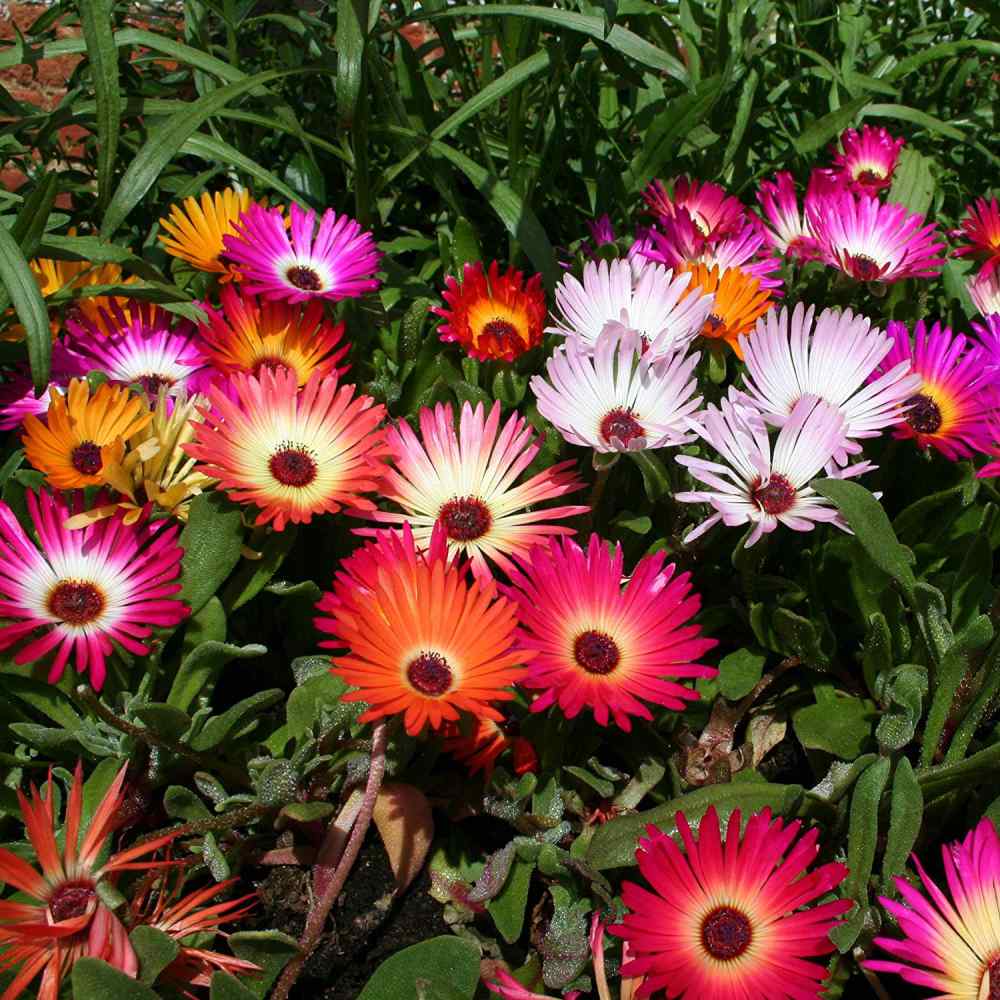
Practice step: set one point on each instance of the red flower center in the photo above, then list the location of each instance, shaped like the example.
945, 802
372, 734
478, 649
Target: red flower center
86, 458
924, 415
270, 364
293, 467
465, 518
869, 176
726, 933
596, 652
76, 602
152, 383
430, 674
622, 425
713, 325
304, 277
865, 268
71, 900
993, 979
503, 332
774, 498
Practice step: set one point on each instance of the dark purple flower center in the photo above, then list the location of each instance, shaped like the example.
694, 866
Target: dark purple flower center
712, 325
71, 900
993, 979
465, 518
304, 277
865, 267
86, 458
777, 496
430, 674
76, 602
293, 467
726, 933
153, 383
924, 415
596, 652
621, 424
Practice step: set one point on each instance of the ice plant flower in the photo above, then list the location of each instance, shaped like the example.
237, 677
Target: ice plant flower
787, 230
507, 987
738, 302
594, 643
144, 347
869, 240
423, 640
758, 487
464, 481
291, 452
790, 356
485, 743
950, 937
715, 213
299, 262
730, 916
492, 316
17, 393
984, 290
981, 228
82, 433
950, 410
196, 229
248, 334
650, 300
868, 159
75, 591
616, 398
60, 916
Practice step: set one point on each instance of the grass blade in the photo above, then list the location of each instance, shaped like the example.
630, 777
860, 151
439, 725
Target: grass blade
29, 305
96, 19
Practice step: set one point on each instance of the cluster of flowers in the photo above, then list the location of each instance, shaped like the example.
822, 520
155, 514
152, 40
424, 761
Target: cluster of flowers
466, 590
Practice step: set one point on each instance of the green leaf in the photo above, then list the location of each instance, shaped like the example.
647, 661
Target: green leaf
905, 817
227, 987
93, 979
871, 525
739, 672
508, 908
97, 21
201, 666
155, 951
220, 727
819, 132
29, 226
465, 245
862, 837
255, 574
912, 181
214, 150
30, 307
351, 16
838, 723
307, 812
182, 803
901, 112
44, 698
165, 720
211, 539
317, 699
448, 960
904, 689
655, 477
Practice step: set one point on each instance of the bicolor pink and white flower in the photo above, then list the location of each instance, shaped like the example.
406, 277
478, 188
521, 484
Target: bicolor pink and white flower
950, 940
731, 916
715, 213
755, 486
984, 290
648, 299
599, 644
868, 159
616, 398
872, 241
787, 230
980, 228
78, 590
466, 480
791, 355
17, 393
336, 260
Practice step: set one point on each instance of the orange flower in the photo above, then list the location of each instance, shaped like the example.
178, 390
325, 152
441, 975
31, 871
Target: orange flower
83, 433
739, 303
493, 316
485, 742
423, 640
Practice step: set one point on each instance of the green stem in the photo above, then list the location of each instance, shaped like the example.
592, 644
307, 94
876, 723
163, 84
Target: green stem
939, 780
991, 685
227, 821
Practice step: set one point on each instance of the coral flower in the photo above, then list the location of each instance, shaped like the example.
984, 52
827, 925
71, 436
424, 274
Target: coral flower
143, 347
631, 295
872, 241
715, 213
423, 640
755, 486
597, 644
335, 261
493, 316
82, 433
981, 227
465, 482
729, 917
789, 356
81, 589
868, 159
617, 399
17, 393
292, 452
485, 743
951, 939
984, 290
950, 411
788, 232
738, 302
196, 229
249, 334
61, 916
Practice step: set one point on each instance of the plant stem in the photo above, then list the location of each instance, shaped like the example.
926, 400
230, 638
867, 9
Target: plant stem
316, 920
226, 821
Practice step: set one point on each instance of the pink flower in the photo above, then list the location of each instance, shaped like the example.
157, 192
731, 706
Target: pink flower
868, 159
507, 987
789, 233
981, 228
984, 290
714, 213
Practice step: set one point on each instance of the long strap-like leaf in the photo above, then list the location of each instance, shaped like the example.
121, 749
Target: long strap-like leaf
29, 305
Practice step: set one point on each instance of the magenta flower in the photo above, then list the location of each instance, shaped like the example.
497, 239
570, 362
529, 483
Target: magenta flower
336, 261
789, 233
715, 213
82, 588
868, 159
981, 228
17, 395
